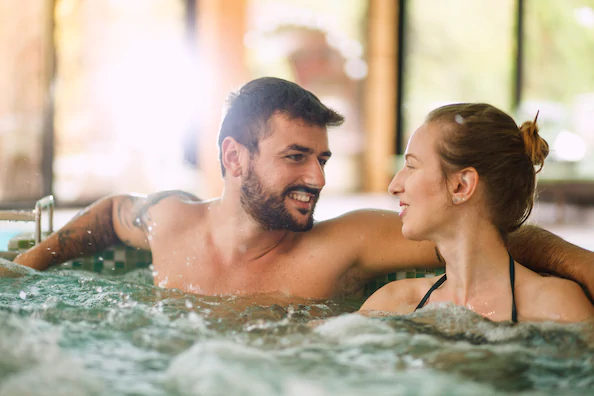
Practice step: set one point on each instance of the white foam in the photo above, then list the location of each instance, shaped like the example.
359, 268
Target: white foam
64, 378
33, 364
217, 367
23, 344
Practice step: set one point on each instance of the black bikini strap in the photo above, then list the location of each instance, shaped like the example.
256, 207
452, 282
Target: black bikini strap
512, 278
435, 286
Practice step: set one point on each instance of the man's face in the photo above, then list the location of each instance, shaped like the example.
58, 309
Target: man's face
284, 180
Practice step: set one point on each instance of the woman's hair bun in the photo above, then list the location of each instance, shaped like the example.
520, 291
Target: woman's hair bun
537, 148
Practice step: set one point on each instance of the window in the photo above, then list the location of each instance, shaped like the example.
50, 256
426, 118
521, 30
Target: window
125, 98
25, 75
456, 51
559, 81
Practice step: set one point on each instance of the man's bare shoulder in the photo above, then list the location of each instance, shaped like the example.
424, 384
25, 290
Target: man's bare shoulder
169, 208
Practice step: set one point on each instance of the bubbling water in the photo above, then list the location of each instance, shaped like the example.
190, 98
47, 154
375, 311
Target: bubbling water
81, 333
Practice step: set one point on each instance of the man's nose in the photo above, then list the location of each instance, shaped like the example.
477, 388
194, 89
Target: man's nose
315, 176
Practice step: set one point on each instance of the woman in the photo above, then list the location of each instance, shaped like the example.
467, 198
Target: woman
469, 180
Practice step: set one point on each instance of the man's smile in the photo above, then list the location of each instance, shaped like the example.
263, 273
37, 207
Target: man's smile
300, 196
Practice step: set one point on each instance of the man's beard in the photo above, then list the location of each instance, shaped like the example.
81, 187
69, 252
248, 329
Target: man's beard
269, 210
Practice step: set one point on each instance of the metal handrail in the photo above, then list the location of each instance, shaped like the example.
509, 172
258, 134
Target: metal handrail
45, 202
33, 215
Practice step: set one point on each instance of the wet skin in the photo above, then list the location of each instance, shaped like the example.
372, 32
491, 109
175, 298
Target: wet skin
218, 247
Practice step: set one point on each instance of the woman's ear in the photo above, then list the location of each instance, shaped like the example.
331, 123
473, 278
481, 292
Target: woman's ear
463, 184
231, 151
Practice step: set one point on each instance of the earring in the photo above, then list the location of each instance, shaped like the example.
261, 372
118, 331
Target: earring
455, 200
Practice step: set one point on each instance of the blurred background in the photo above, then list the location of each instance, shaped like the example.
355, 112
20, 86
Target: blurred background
108, 96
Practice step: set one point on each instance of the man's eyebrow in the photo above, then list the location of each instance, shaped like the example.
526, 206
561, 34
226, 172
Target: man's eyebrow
305, 150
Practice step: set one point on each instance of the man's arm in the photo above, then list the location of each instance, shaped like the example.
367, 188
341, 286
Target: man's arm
112, 219
379, 246
543, 251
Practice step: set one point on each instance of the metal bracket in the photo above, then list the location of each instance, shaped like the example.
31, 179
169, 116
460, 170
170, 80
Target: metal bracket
35, 215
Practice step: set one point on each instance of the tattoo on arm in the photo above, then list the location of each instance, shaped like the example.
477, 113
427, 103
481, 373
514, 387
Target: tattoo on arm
123, 211
142, 219
96, 235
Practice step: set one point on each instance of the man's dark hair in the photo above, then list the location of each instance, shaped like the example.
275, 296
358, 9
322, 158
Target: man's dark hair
249, 110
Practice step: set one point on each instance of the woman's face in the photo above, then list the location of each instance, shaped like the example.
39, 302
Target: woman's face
421, 186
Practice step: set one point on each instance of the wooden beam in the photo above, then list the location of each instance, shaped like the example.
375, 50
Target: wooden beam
220, 29
380, 98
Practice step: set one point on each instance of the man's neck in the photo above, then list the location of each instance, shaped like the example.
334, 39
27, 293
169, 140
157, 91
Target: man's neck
237, 237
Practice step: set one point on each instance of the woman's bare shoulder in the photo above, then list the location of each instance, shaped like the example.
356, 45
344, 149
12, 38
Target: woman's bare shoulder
548, 298
401, 296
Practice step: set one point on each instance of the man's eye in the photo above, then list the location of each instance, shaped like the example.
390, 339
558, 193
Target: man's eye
295, 157
323, 161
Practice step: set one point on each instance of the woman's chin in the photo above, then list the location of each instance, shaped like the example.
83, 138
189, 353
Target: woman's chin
411, 234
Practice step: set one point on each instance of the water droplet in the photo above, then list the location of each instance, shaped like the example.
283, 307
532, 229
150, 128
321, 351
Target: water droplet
23, 295
459, 119
150, 228
188, 304
155, 273
89, 232
100, 258
150, 237
99, 289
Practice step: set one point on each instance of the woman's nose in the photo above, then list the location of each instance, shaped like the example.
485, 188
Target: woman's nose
396, 185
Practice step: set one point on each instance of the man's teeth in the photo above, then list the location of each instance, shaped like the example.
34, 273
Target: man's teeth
300, 197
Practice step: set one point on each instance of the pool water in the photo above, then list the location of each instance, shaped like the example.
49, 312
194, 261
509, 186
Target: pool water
5, 237
71, 332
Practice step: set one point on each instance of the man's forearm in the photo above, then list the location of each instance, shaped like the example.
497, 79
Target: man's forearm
88, 232
543, 251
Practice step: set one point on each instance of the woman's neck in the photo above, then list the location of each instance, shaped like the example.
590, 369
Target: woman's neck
476, 258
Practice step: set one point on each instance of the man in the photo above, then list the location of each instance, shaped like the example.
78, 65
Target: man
259, 236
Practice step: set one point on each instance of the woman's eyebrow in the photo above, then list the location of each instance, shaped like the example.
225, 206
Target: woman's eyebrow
407, 156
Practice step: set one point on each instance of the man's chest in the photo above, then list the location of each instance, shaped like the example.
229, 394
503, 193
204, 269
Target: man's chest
201, 269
